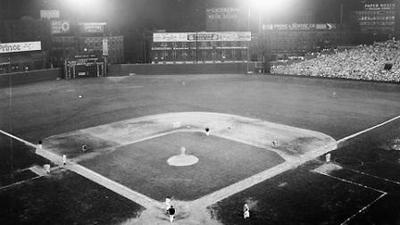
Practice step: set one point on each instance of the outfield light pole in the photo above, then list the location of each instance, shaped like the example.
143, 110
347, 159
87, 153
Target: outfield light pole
271, 8
248, 46
249, 15
261, 6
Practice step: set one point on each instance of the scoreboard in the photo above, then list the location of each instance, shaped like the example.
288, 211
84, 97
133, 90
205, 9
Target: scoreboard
205, 47
377, 17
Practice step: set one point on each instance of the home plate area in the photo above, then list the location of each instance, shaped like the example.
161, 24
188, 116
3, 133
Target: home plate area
172, 155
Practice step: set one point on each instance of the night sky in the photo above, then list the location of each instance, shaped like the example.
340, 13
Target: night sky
171, 15
137, 19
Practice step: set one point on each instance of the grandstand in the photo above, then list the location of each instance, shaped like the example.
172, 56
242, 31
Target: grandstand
377, 62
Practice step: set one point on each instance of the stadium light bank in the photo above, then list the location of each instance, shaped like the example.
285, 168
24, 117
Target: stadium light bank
271, 7
86, 6
266, 10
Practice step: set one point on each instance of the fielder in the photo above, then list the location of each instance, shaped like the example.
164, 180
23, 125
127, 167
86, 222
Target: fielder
168, 203
246, 211
64, 159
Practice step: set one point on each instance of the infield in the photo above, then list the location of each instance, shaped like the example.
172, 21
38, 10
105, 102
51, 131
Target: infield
142, 166
239, 153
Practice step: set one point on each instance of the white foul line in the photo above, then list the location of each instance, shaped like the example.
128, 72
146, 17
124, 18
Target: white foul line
351, 182
368, 129
18, 183
93, 176
383, 193
19, 139
363, 209
376, 177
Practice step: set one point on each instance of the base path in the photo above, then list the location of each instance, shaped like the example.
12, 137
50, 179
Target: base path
295, 145
291, 142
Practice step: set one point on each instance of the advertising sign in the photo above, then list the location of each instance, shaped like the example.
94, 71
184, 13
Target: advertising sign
301, 26
105, 46
20, 47
92, 27
376, 19
380, 6
49, 14
60, 27
201, 36
222, 13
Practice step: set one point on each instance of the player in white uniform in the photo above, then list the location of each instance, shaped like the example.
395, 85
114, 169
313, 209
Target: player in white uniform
168, 202
64, 159
246, 211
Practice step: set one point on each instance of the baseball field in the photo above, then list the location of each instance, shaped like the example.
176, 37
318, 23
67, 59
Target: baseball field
267, 144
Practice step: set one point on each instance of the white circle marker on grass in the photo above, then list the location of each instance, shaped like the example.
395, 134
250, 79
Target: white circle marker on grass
182, 159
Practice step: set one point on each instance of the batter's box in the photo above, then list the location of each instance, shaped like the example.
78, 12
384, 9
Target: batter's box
143, 166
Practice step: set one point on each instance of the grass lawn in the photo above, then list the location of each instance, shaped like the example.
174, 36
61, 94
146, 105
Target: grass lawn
142, 166
64, 198
15, 155
295, 197
303, 197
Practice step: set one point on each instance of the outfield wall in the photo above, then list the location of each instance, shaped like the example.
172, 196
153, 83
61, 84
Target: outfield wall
28, 77
161, 69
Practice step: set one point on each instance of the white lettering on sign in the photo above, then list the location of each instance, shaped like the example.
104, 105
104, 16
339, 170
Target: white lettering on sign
201, 36
20, 47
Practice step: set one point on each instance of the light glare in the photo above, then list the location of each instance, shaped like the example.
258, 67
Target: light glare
270, 6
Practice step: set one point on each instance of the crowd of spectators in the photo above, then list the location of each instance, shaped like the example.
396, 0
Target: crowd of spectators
377, 62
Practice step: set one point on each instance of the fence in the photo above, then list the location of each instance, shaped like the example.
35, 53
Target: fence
161, 69
18, 78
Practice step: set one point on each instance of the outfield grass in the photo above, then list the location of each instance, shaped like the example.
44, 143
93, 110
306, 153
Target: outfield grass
301, 196
142, 166
372, 152
15, 155
295, 197
64, 198
44, 109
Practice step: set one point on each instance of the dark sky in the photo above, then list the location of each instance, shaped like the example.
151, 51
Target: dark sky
175, 15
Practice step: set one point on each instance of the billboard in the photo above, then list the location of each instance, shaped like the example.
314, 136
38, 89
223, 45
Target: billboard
105, 46
60, 27
299, 27
222, 13
20, 47
92, 27
377, 17
379, 6
49, 14
201, 36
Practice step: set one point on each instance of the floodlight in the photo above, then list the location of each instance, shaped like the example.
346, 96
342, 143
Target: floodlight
85, 6
269, 6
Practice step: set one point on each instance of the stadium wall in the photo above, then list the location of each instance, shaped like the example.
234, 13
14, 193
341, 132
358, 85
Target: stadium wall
165, 69
28, 77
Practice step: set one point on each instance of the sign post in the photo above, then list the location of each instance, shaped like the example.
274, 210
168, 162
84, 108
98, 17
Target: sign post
105, 54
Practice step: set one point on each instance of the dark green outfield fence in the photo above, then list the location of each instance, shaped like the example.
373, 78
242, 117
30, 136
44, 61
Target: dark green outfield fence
126, 69
161, 69
28, 77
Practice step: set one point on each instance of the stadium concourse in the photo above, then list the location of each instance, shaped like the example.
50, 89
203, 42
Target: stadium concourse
364, 62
